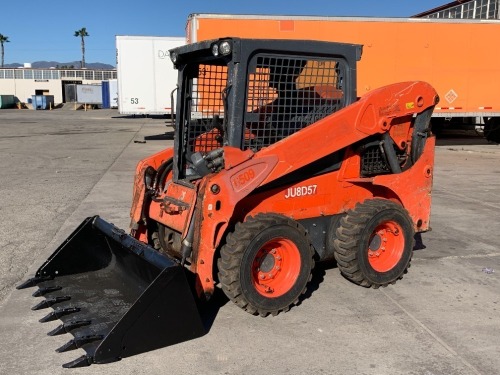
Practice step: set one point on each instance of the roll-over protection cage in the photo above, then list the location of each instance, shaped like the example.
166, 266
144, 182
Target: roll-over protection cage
286, 86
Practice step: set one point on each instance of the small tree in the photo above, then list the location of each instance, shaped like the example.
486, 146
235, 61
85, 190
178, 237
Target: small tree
82, 33
3, 39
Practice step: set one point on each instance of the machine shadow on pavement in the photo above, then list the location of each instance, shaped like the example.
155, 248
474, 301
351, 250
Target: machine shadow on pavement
167, 136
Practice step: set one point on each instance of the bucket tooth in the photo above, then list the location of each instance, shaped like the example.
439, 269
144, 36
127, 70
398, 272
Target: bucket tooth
34, 281
45, 290
69, 326
77, 342
83, 361
56, 314
50, 302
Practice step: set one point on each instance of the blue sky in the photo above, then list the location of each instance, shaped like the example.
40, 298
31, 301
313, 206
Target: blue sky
40, 30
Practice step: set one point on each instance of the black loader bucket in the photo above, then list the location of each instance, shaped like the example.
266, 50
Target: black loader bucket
117, 296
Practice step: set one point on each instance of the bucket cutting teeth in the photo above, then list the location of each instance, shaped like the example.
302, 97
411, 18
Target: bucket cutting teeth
34, 281
77, 343
50, 302
83, 361
57, 314
45, 290
69, 326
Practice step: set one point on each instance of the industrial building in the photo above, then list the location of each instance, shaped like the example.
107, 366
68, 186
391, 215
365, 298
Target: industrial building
465, 9
23, 83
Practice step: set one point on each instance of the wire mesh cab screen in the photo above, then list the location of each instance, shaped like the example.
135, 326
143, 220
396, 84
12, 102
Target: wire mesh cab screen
206, 108
286, 94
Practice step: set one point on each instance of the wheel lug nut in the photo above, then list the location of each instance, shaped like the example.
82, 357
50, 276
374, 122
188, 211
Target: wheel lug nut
262, 277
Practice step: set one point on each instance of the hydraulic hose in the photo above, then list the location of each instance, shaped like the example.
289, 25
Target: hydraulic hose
388, 147
165, 167
187, 243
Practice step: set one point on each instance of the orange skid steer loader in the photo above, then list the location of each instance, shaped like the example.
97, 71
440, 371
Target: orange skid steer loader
276, 165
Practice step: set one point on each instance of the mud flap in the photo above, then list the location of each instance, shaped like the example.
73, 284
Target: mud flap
117, 296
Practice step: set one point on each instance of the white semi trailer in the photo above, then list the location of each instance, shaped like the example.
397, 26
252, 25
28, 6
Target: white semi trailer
146, 76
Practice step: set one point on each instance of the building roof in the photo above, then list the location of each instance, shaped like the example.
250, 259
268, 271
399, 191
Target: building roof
442, 7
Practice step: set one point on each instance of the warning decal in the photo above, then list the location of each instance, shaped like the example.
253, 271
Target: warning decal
451, 96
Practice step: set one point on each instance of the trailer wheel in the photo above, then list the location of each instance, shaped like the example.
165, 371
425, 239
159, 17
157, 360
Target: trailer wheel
374, 243
492, 130
266, 264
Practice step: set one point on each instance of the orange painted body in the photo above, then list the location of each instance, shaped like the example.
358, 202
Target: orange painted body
455, 56
138, 205
220, 199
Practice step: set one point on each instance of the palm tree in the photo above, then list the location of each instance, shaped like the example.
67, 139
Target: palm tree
3, 39
82, 33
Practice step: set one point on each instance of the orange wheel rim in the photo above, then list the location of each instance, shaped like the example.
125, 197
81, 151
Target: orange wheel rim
276, 267
386, 246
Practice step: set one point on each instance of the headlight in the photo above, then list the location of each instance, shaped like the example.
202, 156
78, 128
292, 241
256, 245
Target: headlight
215, 50
173, 57
225, 48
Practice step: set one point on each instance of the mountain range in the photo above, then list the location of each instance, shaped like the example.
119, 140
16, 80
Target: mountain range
65, 65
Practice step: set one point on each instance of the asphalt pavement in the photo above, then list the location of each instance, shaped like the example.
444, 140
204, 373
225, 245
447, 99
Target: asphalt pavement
442, 318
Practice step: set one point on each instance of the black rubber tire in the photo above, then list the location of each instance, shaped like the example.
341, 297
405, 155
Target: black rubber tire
238, 256
492, 130
331, 237
355, 234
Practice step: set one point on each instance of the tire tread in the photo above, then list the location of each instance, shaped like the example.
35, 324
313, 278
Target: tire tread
231, 253
348, 236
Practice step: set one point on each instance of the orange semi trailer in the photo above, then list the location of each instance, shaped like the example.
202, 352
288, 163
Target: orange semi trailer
454, 56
